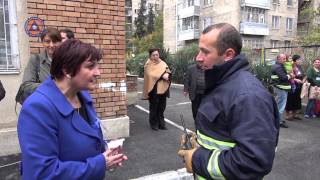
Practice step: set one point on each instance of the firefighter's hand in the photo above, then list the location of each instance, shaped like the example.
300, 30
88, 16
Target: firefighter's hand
193, 140
187, 156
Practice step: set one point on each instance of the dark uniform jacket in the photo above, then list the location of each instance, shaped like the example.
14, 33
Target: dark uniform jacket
282, 80
239, 117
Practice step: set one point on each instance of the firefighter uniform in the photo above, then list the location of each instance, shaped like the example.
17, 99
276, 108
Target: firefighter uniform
237, 125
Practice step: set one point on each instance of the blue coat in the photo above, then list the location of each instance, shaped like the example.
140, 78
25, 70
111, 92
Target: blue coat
56, 142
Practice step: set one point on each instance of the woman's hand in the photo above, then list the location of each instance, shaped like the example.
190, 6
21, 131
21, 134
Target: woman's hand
298, 81
114, 157
165, 76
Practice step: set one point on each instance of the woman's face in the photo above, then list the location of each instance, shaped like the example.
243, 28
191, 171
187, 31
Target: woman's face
49, 45
298, 61
86, 78
316, 64
154, 56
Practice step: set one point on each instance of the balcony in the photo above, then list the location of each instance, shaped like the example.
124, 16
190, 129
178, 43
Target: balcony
189, 34
264, 4
189, 11
254, 28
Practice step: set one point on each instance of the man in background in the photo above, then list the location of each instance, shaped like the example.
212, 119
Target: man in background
66, 34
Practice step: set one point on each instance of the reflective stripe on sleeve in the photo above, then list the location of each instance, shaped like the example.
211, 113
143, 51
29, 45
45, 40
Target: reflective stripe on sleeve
213, 144
213, 166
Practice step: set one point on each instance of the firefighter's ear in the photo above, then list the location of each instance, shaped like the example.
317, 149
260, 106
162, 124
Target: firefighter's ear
229, 54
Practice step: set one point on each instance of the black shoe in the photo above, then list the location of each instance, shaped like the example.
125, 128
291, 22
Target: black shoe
283, 125
163, 128
154, 128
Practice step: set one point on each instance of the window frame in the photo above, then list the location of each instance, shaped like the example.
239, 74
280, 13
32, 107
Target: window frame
289, 22
275, 22
13, 67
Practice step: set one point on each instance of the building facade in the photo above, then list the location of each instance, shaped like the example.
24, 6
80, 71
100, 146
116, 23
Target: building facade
307, 21
132, 10
262, 23
98, 22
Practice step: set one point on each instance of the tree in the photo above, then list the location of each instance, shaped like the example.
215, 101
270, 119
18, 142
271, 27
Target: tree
139, 22
153, 40
151, 16
312, 16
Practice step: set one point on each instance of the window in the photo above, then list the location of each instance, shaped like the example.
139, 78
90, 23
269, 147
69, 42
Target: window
289, 3
207, 2
289, 24
9, 57
287, 43
274, 43
252, 42
207, 21
190, 23
252, 14
275, 22
275, 2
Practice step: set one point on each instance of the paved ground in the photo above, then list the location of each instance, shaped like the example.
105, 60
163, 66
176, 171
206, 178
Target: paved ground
152, 152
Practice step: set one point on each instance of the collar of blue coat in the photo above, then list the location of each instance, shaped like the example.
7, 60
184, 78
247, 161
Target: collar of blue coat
49, 89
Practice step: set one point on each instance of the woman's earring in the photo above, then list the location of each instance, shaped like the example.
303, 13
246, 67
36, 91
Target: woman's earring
68, 76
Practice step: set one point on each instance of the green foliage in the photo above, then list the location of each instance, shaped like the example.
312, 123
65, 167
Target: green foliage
153, 40
177, 63
135, 65
263, 73
140, 21
181, 60
151, 16
313, 36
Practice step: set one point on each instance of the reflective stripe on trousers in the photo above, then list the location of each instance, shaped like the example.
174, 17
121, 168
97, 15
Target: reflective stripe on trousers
217, 146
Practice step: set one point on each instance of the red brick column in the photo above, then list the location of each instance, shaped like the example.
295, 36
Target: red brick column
98, 22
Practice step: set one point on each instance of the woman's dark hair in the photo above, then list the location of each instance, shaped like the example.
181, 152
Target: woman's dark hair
295, 57
69, 56
153, 50
52, 33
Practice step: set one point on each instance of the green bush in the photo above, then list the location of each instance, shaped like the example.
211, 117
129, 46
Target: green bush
181, 60
263, 73
135, 65
177, 63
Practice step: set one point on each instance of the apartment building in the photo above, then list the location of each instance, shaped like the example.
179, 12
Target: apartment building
305, 20
132, 10
101, 23
262, 23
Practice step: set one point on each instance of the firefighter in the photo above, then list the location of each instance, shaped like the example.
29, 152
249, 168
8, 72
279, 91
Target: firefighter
237, 121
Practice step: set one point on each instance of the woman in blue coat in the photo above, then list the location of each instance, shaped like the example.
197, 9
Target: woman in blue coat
58, 129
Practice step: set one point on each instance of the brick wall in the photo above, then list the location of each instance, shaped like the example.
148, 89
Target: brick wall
98, 22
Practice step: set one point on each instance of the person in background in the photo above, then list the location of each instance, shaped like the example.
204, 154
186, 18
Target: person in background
38, 67
58, 129
282, 86
237, 120
2, 91
313, 77
293, 104
194, 85
156, 88
66, 34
